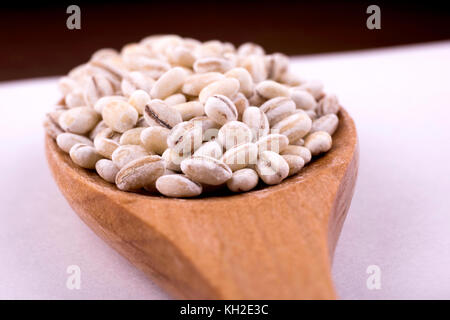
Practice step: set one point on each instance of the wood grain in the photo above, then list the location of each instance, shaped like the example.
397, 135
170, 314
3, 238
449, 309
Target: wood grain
272, 243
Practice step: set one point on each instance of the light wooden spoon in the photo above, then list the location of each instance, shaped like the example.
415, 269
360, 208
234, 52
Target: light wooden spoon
272, 243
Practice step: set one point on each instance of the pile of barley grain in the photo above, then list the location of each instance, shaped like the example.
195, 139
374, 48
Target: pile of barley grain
178, 116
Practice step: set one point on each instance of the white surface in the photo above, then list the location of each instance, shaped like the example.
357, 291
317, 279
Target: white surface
399, 218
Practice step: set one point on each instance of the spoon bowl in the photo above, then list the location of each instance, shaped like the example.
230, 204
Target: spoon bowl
273, 243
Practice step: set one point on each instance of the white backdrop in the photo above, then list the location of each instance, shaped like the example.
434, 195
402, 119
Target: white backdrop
399, 219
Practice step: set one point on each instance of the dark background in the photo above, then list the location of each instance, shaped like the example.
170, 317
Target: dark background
35, 40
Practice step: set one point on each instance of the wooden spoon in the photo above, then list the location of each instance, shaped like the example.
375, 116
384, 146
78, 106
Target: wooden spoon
272, 243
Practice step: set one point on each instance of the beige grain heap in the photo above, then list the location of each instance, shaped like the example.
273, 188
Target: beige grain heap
182, 117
